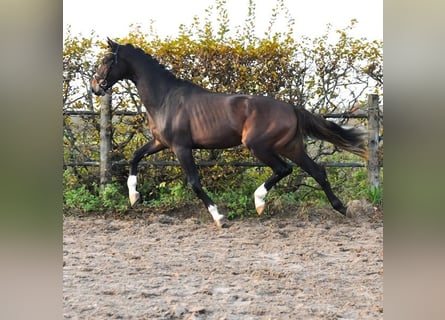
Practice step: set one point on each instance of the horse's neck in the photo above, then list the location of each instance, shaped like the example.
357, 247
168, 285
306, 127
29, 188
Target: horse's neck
151, 89
154, 84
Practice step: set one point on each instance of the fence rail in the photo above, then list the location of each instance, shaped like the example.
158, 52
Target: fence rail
163, 163
345, 115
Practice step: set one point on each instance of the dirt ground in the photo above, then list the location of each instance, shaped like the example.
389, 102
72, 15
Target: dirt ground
314, 264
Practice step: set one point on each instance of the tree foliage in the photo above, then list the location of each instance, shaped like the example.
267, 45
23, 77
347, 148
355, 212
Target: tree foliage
325, 74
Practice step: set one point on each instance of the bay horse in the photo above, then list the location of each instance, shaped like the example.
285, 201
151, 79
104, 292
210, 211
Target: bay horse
183, 116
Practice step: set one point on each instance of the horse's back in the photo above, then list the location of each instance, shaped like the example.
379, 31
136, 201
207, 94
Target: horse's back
222, 120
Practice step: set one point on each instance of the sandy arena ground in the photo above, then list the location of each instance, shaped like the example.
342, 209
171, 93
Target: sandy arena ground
178, 265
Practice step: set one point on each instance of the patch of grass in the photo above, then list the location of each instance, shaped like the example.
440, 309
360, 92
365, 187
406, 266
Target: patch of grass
238, 204
375, 195
81, 198
233, 194
112, 197
171, 195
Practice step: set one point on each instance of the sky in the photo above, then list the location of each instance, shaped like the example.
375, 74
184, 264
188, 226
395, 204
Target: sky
112, 18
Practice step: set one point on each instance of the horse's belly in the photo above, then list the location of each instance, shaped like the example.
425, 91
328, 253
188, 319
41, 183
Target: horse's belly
217, 140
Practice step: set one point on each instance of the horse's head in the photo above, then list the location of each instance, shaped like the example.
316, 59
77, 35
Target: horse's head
109, 72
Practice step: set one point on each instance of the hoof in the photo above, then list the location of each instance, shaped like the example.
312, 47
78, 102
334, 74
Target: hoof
134, 198
220, 223
259, 196
343, 210
260, 209
217, 217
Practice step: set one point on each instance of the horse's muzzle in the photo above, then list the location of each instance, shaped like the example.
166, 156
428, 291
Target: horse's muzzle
97, 87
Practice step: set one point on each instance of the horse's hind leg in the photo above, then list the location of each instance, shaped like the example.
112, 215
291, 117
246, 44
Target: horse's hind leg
319, 174
149, 148
280, 170
185, 157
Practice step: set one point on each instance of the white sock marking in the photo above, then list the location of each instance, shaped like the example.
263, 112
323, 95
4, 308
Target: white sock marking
215, 214
259, 195
131, 183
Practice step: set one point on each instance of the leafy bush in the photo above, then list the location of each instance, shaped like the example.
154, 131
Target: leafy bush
112, 197
170, 195
81, 198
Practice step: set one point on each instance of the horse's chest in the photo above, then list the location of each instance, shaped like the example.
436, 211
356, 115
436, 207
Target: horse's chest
158, 130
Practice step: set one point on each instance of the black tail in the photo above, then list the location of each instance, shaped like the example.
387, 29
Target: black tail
352, 140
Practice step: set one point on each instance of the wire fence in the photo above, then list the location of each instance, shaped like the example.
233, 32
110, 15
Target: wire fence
371, 114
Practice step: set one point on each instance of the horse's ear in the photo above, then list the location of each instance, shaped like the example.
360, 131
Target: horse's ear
111, 43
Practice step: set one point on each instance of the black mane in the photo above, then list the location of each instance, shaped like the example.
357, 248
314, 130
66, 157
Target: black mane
156, 65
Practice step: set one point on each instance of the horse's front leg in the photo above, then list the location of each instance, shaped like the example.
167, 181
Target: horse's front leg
185, 157
151, 147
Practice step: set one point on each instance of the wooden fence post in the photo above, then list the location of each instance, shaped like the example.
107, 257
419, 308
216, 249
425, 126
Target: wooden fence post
373, 141
105, 140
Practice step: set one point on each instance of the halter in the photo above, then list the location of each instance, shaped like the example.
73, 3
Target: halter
104, 83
